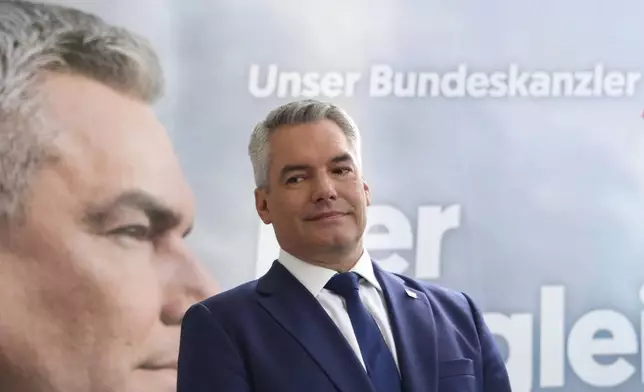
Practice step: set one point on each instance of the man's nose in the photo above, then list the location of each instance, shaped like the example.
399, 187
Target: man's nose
324, 188
189, 282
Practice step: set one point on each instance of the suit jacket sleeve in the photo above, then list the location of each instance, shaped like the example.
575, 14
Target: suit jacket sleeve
208, 359
495, 375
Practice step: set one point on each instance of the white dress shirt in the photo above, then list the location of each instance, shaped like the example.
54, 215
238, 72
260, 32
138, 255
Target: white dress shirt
314, 278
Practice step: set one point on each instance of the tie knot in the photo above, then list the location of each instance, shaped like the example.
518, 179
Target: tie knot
344, 284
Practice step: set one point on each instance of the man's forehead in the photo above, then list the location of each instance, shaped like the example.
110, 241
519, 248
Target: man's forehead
112, 144
322, 158
318, 142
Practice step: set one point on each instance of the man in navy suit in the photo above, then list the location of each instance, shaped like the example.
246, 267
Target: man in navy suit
325, 317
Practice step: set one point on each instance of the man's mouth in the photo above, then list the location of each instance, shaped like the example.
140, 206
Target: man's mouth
161, 364
327, 215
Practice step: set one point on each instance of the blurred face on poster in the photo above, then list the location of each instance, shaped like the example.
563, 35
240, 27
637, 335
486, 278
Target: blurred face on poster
95, 274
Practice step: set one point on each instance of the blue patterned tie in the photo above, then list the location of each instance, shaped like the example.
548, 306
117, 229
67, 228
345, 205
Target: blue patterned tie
375, 353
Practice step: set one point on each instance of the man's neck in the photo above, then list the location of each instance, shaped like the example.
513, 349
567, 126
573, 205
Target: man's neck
335, 260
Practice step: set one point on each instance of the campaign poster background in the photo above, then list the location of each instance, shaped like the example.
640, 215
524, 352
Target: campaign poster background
532, 204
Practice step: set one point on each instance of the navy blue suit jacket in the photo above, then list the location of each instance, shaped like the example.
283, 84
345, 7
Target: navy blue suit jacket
272, 335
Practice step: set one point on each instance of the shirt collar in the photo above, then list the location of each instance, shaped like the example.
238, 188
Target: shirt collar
314, 277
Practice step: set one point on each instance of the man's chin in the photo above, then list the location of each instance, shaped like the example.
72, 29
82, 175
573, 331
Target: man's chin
336, 244
153, 380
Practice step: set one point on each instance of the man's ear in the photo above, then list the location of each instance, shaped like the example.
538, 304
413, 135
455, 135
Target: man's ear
261, 205
367, 192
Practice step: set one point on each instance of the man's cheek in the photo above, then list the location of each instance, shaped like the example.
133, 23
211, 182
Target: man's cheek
134, 308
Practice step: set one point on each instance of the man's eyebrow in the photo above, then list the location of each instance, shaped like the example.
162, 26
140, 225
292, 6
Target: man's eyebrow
159, 214
291, 168
346, 157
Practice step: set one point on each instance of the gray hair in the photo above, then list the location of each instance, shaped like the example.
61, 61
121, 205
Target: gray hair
295, 113
37, 39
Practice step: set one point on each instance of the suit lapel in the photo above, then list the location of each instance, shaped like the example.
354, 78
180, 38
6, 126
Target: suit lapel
297, 311
414, 331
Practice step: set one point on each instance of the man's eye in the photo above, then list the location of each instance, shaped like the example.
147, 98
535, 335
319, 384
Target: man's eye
137, 232
342, 170
294, 180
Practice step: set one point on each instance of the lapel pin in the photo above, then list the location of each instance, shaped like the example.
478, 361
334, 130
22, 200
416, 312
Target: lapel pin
411, 294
